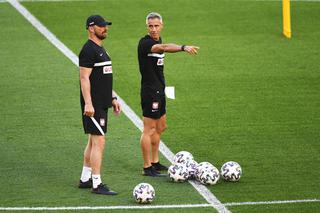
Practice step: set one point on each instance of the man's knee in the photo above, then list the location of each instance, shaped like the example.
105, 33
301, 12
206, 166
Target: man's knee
149, 130
98, 141
161, 124
161, 128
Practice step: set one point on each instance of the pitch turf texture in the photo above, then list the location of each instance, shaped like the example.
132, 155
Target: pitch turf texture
250, 95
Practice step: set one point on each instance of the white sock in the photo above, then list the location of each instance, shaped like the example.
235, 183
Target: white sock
86, 174
96, 180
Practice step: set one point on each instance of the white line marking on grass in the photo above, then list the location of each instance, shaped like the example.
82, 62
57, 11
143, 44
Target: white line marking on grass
271, 202
152, 206
103, 207
126, 109
210, 198
44, 31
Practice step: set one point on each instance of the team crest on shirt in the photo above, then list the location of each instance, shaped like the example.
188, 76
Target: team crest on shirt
160, 62
102, 122
155, 105
107, 70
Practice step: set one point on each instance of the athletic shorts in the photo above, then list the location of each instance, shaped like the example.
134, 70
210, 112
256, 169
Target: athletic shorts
101, 116
153, 106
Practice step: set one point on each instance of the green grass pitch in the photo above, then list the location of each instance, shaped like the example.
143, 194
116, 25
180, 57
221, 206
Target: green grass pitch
250, 95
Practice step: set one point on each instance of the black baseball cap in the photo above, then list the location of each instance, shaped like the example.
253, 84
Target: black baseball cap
97, 20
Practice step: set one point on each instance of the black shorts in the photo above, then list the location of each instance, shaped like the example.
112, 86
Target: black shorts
153, 106
101, 116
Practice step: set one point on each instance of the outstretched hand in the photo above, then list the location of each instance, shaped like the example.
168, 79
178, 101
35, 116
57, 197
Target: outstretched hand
192, 50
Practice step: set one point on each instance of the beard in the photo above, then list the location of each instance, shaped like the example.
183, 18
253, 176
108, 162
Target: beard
101, 36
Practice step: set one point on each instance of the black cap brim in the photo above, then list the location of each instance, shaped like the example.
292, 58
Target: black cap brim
106, 23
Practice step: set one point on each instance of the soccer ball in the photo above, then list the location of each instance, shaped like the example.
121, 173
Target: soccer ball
182, 157
231, 171
143, 193
207, 174
192, 168
204, 165
178, 173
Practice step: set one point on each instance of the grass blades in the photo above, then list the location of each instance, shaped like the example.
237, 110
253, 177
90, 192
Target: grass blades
251, 96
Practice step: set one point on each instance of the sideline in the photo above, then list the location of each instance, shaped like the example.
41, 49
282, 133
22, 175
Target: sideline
152, 207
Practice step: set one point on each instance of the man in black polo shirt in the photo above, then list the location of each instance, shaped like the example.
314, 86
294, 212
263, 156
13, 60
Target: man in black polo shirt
151, 61
96, 96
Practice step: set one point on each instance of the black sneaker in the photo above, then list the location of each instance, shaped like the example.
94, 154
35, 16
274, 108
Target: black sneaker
159, 167
103, 190
85, 185
150, 171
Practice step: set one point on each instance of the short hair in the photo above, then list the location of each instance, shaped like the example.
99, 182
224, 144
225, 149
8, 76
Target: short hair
153, 15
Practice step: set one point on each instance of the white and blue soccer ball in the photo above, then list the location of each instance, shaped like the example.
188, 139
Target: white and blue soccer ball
143, 193
207, 174
178, 173
182, 157
192, 168
204, 165
231, 171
